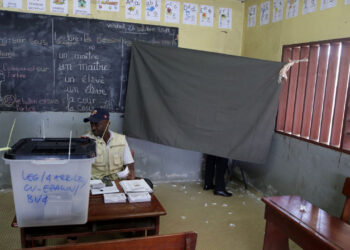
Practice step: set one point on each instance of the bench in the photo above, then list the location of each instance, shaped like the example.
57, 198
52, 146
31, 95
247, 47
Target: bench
307, 225
178, 241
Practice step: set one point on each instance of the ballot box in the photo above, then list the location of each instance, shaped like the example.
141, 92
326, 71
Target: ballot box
50, 180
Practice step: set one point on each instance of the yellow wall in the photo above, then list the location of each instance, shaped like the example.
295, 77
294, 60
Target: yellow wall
265, 42
228, 41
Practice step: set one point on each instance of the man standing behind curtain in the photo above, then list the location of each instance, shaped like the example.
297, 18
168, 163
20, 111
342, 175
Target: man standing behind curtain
217, 165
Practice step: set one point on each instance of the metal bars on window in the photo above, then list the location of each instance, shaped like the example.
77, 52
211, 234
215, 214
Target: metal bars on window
314, 99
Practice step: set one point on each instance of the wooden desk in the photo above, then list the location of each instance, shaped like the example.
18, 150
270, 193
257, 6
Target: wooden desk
313, 228
140, 217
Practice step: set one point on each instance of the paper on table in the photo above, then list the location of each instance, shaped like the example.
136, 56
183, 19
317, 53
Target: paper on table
132, 186
114, 198
139, 197
96, 184
105, 190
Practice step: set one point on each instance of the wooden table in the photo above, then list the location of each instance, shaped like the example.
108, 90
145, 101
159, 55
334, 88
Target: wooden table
312, 228
140, 217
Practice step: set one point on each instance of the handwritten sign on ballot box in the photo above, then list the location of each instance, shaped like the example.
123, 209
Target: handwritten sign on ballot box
50, 187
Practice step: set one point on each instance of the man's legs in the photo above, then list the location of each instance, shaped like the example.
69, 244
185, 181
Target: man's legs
221, 167
209, 172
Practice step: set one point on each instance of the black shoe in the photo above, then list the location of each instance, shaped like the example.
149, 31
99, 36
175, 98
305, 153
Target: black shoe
207, 187
222, 193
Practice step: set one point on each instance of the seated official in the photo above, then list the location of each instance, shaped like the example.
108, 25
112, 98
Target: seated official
112, 149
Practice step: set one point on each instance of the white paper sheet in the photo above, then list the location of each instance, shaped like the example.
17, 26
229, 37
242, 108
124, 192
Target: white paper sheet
134, 186
114, 198
108, 5
81, 7
139, 197
265, 13
326, 4
36, 5
277, 13
252, 16
309, 6
206, 16
225, 18
15, 4
59, 6
96, 184
153, 10
190, 12
133, 9
292, 8
172, 12
105, 190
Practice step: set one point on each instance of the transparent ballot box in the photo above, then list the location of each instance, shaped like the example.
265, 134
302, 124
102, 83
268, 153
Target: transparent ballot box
50, 180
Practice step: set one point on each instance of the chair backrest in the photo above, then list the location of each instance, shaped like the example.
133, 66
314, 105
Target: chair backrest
178, 241
346, 210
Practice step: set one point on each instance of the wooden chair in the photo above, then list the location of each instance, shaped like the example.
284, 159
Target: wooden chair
346, 210
178, 241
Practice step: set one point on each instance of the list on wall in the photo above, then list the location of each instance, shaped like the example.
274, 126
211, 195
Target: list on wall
68, 64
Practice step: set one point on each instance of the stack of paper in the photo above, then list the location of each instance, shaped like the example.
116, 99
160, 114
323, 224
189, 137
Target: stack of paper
96, 184
114, 198
105, 190
135, 186
139, 197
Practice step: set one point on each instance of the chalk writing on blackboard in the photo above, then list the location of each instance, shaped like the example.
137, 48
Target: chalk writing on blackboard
52, 63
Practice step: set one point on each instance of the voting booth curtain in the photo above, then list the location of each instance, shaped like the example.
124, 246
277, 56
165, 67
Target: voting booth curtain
207, 102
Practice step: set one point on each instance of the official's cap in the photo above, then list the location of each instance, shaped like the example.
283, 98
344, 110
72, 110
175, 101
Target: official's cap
97, 115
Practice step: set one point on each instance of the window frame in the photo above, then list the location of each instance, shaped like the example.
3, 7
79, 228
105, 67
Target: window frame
343, 131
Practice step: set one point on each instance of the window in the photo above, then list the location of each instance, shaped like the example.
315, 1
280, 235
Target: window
314, 99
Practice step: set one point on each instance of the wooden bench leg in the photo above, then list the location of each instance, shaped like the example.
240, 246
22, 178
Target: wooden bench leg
275, 239
24, 242
156, 230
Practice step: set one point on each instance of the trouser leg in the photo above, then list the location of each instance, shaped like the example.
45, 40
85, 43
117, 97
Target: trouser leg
209, 170
221, 167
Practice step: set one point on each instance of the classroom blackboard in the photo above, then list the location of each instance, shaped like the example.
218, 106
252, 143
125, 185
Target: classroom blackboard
50, 63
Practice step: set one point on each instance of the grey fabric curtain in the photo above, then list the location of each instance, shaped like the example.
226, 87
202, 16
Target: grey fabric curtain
212, 103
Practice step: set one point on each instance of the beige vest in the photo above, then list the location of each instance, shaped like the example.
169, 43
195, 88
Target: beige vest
108, 162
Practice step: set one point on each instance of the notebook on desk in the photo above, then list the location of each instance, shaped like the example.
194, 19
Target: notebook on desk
105, 190
135, 186
139, 197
